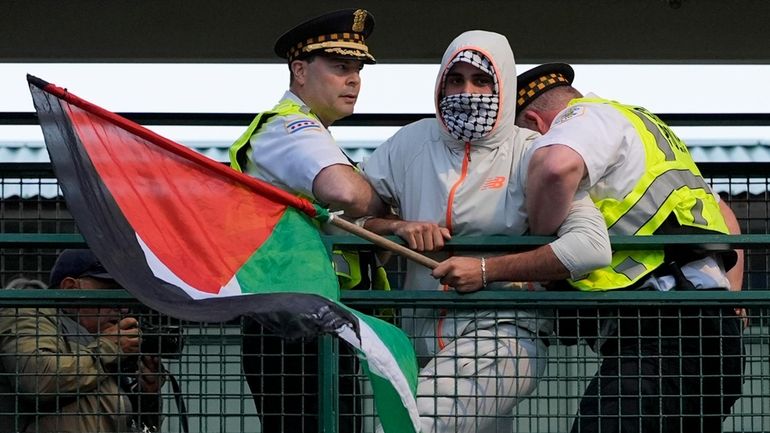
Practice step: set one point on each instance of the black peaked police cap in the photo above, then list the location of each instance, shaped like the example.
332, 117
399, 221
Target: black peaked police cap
534, 82
340, 33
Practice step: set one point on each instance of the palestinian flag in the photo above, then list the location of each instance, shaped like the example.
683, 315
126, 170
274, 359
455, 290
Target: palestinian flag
198, 241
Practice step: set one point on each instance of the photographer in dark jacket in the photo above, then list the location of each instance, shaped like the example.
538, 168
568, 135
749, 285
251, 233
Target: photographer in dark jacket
62, 370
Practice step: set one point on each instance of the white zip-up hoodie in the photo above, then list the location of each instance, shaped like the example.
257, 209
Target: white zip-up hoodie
473, 188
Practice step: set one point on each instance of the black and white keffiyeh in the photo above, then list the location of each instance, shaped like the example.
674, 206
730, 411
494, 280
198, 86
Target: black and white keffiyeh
470, 116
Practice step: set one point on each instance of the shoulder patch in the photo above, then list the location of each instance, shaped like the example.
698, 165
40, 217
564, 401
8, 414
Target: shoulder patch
297, 125
570, 113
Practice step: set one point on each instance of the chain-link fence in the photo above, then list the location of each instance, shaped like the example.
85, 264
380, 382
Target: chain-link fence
635, 360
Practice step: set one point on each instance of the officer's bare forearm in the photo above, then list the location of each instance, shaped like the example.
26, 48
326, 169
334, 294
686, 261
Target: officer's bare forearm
735, 274
553, 176
385, 225
341, 188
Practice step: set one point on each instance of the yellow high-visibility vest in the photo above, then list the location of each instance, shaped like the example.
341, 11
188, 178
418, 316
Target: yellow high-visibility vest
240, 151
347, 263
671, 184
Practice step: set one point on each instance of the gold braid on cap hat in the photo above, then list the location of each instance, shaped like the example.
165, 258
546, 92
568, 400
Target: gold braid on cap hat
538, 85
335, 44
353, 41
350, 53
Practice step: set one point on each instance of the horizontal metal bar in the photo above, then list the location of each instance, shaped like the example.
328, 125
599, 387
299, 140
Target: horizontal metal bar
222, 119
40, 240
468, 243
378, 119
515, 243
728, 173
732, 171
716, 119
496, 299
29, 170
64, 298
42, 170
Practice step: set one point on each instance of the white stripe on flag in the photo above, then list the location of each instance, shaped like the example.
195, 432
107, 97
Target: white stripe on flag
160, 270
382, 363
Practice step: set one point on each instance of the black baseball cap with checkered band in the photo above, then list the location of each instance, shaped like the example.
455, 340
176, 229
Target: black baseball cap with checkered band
536, 81
339, 34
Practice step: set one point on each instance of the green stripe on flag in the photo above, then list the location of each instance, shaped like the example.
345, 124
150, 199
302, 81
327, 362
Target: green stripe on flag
295, 250
292, 259
392, 413
388, 359
394, 337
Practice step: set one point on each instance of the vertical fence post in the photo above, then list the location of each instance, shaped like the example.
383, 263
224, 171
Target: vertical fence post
328, 392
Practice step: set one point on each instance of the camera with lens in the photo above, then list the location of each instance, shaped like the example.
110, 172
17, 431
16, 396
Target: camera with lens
165, 341
161, 335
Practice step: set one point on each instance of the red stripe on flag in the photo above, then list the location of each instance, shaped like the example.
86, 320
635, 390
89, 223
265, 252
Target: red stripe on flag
258, 186
197, 228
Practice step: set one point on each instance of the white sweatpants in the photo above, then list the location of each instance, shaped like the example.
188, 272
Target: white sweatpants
475, 381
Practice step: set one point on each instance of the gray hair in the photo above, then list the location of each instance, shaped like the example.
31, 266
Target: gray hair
25, 283
552, 99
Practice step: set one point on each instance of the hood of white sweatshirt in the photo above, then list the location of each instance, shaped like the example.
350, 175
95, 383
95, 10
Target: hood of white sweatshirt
496, 48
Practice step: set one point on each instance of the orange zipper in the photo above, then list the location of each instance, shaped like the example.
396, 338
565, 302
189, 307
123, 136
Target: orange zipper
463, 175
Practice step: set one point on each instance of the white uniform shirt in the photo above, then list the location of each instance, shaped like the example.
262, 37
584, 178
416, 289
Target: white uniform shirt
614, 157
290, 151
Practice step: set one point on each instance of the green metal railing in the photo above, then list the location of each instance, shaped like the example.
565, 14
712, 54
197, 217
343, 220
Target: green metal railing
218, 399
35, 225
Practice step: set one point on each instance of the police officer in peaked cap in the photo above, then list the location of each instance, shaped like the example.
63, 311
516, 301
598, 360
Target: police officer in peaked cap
645, 182
291, 147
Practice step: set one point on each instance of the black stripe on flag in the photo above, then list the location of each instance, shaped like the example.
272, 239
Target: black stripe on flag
113, 240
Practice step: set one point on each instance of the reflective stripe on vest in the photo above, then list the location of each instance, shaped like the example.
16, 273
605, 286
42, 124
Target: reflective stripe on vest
240, 151
347, 266
654, 198
671, 184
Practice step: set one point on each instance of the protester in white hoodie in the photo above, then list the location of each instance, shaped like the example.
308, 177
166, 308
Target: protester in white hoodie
462, 174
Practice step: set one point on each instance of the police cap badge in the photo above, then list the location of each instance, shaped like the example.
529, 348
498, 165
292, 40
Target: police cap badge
340, 33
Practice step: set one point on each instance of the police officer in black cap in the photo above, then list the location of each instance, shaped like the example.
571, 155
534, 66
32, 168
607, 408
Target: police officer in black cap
290, 146
644, 182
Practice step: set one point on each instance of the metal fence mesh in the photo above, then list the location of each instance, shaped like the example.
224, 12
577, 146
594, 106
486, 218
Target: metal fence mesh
218, 396
40, 385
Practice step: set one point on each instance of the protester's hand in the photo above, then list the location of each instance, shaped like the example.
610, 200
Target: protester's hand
150, 376
462, 273
741, 313
421, 235
125, 333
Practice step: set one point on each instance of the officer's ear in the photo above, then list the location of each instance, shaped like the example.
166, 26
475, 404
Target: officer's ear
69, 283
535, 121
299, 71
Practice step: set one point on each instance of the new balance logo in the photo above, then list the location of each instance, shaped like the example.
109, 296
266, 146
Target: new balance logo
493, 183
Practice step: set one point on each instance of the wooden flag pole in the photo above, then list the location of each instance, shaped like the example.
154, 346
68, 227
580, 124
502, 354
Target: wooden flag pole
383, 242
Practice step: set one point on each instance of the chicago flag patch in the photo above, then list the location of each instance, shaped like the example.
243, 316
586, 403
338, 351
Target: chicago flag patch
570, 113
301, 125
